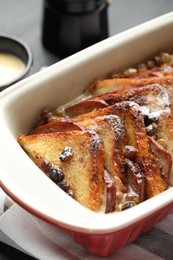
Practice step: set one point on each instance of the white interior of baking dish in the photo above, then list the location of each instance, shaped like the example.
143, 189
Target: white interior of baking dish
19, 110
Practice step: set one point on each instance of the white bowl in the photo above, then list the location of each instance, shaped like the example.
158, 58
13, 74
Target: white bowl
19, 109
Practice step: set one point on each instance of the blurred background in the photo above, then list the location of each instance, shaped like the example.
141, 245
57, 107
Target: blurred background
24, 19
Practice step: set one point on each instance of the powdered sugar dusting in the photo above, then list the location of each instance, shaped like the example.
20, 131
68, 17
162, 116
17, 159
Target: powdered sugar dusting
116, 122
95, 139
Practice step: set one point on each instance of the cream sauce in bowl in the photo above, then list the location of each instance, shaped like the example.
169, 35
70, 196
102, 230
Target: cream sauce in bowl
16, 59
10, 68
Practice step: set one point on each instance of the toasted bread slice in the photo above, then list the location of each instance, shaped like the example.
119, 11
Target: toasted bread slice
112, 130
73, 160
156, 108
137, 138
109, 85
163, 157
154, 97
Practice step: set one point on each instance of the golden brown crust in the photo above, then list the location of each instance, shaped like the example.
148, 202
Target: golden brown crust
165, 136
111, 128
83, 171
136, 88
153, 96
137, 137
108, 85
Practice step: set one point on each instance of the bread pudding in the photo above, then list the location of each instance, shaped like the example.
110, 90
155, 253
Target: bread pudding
112, 150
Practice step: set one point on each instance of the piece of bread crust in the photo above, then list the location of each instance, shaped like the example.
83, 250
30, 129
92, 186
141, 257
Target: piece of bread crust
83, 171
112, 130
100, 87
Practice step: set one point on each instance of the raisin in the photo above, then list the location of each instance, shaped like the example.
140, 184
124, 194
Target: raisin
150, 64
56, 174
45, 115
130, 152
66, 154
157, 60
128, 205
149, 119
142, 67
46, 166
64, 185
70, 193
151, 129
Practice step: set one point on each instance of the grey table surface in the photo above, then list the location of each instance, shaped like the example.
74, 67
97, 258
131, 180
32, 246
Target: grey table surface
24, 19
